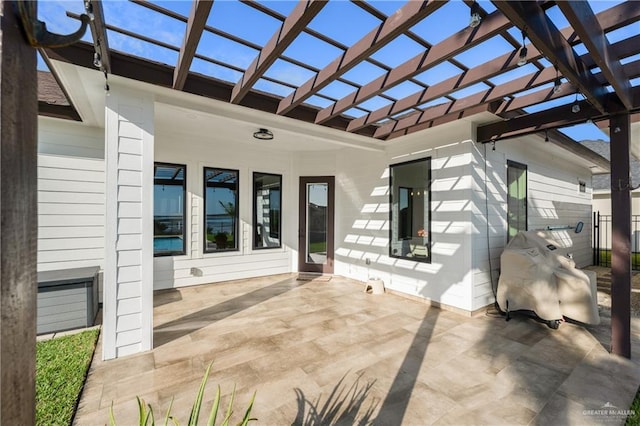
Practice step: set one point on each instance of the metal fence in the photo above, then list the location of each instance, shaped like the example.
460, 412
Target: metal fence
602, 240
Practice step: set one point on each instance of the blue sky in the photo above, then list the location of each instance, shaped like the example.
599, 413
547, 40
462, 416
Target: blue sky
340, 20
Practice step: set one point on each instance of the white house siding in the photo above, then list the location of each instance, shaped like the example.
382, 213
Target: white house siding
553, 198
197, 150
70, 196
128, 276
362, 232
70, 212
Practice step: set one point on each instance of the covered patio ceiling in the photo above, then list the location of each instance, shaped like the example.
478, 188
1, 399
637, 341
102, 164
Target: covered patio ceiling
375, 68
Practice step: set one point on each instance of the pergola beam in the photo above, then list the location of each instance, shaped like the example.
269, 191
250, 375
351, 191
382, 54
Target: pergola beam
195, 26
620, 148
549, 41
99, 34
448, 48
486, 96
588, 28
19, 220
404, 18
560, 116
608, 19
292, 26
497, 93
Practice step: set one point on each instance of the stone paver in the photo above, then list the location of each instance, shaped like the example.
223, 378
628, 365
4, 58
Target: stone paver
319, 352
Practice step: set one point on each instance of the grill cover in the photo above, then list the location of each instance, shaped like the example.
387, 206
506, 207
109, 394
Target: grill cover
538, 275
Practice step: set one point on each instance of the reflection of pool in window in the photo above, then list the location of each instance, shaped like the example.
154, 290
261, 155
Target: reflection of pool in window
167, 244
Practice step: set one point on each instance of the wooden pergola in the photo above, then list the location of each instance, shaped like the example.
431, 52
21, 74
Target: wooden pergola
605, 75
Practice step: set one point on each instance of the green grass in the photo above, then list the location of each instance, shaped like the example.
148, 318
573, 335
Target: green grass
61, 367
634, 419
319, 247
605, 258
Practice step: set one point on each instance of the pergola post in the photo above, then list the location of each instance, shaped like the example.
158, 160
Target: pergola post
18, 224
619, 129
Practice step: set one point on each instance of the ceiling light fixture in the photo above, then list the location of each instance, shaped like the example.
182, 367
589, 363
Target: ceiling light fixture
522, 57
556, 82
575, 108
475, 19
263, 135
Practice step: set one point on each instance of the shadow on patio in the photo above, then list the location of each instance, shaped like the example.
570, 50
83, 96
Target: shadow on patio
319, 352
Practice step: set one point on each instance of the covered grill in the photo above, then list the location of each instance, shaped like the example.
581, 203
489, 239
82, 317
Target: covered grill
539, 276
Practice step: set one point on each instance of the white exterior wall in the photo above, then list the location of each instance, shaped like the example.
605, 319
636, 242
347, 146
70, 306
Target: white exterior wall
196, 151
362, 217
128, 276
70, 195
553, 199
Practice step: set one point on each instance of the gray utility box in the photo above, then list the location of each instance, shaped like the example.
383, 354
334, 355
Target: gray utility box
67, 299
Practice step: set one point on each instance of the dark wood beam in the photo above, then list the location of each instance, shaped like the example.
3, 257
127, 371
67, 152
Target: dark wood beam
448, 48
632, 69
560, 116
292, 26
195, 25
484, 97
588, 28
494, 94
620, 147
404, 18
549, 41
99, 34
162, 75
609, 20
19, 219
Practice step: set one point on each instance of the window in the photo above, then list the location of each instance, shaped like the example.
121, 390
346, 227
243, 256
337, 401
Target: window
410, 199
169, 190
221, 209
516, 198
267, 198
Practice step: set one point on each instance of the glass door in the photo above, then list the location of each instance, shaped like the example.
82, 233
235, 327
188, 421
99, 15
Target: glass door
316, 223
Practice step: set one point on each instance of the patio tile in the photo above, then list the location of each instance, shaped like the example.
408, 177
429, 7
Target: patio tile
383, 359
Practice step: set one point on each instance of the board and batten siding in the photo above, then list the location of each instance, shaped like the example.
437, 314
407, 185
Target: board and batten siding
128, 275
553, 199
70, 212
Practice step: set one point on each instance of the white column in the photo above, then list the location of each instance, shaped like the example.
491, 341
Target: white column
128, 273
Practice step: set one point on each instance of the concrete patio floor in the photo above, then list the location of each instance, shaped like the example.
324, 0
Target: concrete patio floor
327, 353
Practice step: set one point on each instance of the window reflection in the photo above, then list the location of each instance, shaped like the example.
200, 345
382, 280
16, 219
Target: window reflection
169, 209
221, 209
267, 196
410, 210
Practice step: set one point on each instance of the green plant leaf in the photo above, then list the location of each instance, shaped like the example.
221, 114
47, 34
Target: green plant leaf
214, 409
225, 422
246, 419
195, 410
112, 418
168, 416
144, 414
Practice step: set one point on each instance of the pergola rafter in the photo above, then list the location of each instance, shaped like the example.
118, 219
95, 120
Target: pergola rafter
195, 25
293, 25
393, 26
608, 19
588, 28
99, 33
448, 48
543, 33
495, 94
